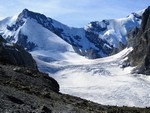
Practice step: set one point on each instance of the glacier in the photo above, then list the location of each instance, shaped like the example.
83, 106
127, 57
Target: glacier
101, 80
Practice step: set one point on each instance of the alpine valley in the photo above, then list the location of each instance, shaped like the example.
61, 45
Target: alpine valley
100, 62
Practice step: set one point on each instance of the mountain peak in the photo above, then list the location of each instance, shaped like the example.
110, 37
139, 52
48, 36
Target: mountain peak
25, 10
26, 13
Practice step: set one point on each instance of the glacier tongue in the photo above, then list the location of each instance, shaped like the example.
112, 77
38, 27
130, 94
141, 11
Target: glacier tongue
101, 80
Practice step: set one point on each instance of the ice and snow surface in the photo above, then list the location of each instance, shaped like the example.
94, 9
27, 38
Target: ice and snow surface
9, 21
45, 39
117, 29
101, 80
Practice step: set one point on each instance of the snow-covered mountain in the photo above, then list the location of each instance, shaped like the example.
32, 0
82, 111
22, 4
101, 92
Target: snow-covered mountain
97, 39
54, 45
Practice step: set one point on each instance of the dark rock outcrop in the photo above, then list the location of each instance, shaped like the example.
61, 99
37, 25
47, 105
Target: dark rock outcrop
15, 55
22, 40
139, 39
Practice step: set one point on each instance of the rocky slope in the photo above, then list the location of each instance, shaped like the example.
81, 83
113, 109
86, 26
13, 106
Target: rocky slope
15, 55
28, 91
97, 39
139, 39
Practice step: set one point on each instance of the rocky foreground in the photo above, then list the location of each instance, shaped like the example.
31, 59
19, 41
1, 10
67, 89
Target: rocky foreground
24, 90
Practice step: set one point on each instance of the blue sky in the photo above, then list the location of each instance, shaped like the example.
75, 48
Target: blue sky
76, 13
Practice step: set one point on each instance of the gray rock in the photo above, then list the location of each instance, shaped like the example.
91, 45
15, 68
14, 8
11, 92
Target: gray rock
139, 39
15, 55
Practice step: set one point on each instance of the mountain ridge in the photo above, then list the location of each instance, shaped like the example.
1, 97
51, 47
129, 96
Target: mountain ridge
97, 39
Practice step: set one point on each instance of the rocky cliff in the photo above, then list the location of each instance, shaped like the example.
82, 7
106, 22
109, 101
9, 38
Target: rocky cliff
139, 39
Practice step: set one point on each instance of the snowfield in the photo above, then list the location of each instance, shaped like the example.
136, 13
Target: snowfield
101, 80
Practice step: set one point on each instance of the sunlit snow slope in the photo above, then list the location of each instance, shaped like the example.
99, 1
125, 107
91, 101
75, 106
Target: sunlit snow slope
100, 80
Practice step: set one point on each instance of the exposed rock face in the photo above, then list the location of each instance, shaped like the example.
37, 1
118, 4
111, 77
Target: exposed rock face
15, 55
18, 87
22, 40
139, 39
